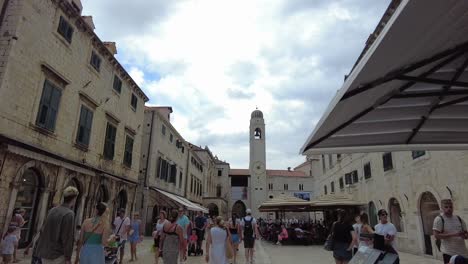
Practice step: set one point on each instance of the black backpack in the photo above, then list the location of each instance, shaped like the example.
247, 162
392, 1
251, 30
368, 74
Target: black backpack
438, 242
248, 228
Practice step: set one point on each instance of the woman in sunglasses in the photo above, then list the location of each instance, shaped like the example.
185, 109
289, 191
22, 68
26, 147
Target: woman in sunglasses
388, 231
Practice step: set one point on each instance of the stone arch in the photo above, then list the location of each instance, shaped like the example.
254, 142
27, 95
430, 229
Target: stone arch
239, 208
257, 133
429, 209
29, 192
213, 209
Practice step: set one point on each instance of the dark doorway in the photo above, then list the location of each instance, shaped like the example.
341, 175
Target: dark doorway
429, 210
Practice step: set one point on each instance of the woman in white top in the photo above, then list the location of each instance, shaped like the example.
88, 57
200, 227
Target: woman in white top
218, 236
158, 232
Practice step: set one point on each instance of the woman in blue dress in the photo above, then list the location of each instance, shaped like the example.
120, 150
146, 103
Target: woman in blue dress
134, 236
94, 236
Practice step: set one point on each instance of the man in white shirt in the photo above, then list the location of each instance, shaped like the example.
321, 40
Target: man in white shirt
452, 232
388, 231
122, 226
249, 234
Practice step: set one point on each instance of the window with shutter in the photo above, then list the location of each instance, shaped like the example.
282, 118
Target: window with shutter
348, 179
117, 84
332, 187
65, 29
158, 169
48, 107
180, 179
387, 161
173, 175
341, 183
109, 144
355, 177
128, 151
134, 102
84, 126
95, 61
367, 171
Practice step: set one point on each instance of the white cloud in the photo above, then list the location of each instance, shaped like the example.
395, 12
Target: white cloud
214, 61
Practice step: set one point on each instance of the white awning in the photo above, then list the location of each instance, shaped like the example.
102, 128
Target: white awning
181, 201
409, 91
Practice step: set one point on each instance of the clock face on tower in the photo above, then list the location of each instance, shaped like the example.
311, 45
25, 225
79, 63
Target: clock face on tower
258, 167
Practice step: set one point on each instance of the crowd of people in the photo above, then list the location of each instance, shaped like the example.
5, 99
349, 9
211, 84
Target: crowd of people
293, 231
177, 237
347, 236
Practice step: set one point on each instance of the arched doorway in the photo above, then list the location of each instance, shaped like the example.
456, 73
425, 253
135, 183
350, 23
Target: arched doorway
395, 214
213, 209
122, 200
102, 195
373, 219
429, 208
239, 209
28, 199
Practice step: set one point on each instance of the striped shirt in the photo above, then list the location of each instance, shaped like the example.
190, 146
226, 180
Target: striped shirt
452, 245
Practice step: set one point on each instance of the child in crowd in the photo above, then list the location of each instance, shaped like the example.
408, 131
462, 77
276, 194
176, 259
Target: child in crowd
193, 239
8, 244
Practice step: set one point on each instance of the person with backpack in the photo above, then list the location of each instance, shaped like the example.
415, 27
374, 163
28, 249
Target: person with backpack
450, 232
249, 234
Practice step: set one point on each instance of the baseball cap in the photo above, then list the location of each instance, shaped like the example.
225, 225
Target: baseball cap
248, 211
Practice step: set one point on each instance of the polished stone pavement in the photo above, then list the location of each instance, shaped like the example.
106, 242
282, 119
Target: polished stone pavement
267, 253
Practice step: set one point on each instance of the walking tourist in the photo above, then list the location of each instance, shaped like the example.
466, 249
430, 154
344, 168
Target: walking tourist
451, 230
366, 231
17, 220
94, 236
183, 222
235, 230
8, 244
216, 243
249, 234
173, 241
344, 238
388, 231
55, 243
122, 225
135, 235
283, 235
357, 228
200, 226
158, 233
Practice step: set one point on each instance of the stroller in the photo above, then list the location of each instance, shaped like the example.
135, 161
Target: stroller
112, 253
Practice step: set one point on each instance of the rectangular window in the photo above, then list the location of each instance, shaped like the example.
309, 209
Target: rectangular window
270, 186
367, 171
117, 84
387, 161
48, 107
348, 180
323, 164
341, 183
220, 172
128, 151
65, 29
301, 187
332, 187
134, 102
171, 138
325, 190
173, 173
84, 126
330, 161
191, 184
158, 169
163, 130
355, 176
109, 144
418, 153
95, 61
180, 179
338, 156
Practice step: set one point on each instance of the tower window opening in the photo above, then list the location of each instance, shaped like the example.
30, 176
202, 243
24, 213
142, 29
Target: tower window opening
258, 133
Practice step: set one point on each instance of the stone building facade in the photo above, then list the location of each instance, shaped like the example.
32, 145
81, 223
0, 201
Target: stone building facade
409, 185
73, 114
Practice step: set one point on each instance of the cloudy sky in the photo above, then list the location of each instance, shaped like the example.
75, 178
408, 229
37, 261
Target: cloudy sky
214, 61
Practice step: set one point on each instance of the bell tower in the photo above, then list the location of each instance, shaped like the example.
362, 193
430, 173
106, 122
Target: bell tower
257, 166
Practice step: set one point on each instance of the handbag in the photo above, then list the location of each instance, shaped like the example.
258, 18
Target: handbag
329, 243
229, 248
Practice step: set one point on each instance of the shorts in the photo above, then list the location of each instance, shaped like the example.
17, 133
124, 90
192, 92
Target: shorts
341, 252
235, 239
249, 242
